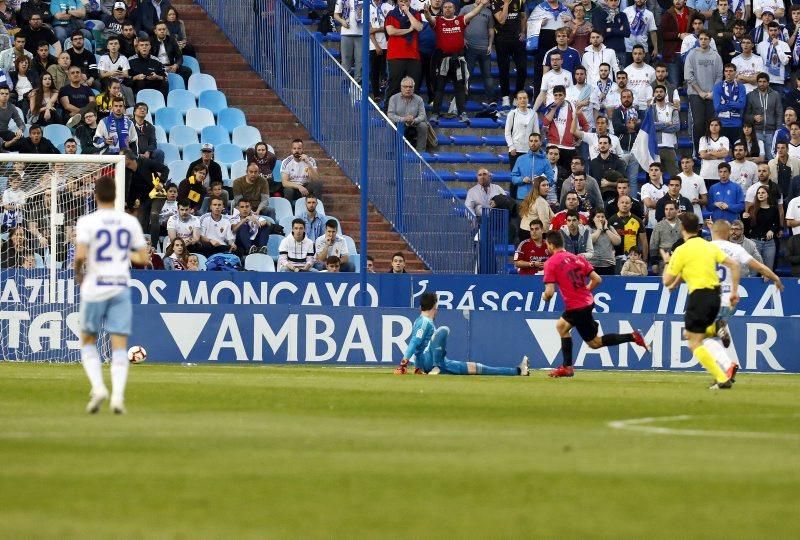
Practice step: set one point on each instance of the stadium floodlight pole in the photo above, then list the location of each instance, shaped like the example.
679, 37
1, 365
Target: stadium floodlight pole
57, 219
365, 105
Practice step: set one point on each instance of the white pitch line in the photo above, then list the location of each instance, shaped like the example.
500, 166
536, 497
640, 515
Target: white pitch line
642, 425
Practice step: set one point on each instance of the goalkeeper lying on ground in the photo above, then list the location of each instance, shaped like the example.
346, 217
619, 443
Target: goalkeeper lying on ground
428, 347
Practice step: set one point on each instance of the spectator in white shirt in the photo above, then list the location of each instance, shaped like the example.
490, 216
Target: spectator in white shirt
330, 245
480, 194
184, 225
296, 252
216, 234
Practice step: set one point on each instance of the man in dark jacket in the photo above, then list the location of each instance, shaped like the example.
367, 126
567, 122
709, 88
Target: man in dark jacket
35, 143
146, 71
42, 59
36, 32
207, 159
146, 134
164, 47
146, 16
144, 183
84, 59
31, 7
613, 24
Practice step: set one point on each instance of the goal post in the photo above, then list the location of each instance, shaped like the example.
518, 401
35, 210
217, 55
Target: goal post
42, 198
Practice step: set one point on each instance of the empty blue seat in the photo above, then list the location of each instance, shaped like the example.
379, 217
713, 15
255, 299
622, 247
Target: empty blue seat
282, 207
446, 176
171, 152
467, 175
482, 157
191, 152
215, 135
483, 123
180, 136
175, 82
259, 262
501, 176
427, 156
183, 100
246, 137
274, 243
227, 154
238, 168
333, 36
57, 133
201, 81
685, 142
351, 245
231, 118
177, 170
494, 140
168, 118
450, 157
355, 259
443, 140
503, 158
191, 63
467, 140
153, 98
334, 52
213, 100
161, 135
450, 123
198, 118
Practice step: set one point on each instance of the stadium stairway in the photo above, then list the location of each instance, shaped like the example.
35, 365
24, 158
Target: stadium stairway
264, 110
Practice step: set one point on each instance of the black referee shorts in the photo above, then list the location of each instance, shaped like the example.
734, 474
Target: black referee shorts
583, 321
702, 308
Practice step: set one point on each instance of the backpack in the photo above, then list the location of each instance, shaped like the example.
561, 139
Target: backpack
223, 262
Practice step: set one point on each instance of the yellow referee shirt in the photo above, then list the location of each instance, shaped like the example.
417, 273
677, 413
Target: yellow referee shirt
696, 262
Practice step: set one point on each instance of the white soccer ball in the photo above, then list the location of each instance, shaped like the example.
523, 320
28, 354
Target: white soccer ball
137, 354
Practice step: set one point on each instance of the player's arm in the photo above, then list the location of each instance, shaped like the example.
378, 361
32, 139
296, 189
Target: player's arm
549, 291
79, 262
765, 271
594, 281
140, 256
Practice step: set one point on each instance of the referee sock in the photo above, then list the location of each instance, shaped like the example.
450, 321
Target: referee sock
707, 361
119, 374
91, 365
566, 350
616, 339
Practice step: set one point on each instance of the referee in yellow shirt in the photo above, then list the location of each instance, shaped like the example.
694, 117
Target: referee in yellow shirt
696, 263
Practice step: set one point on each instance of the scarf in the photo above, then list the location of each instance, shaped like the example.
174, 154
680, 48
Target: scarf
611, 15
554, 12
738, 9
695, 46
357, 6
403, 21
604, 88
637, 25
772, 61
796, 52
117, 129
629, 114
730, 92
177, 264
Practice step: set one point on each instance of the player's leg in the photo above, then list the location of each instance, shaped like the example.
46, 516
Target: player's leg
454, 367
564, 327
719, 340
588, 329
438, 346
91, 316
118, 324
702, 308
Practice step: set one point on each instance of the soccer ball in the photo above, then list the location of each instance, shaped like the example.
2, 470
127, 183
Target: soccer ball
137, 354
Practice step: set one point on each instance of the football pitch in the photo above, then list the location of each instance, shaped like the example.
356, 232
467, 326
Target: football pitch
294, 452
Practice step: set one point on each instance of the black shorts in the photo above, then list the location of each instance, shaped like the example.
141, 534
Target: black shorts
702, 308
583, 321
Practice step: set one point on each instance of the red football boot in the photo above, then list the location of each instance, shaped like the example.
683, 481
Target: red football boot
731, 371
562, 371
418, 371
638, 338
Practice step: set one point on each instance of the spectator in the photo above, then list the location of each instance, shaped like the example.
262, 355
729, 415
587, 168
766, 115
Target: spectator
348, 14
480, 194
104, 100
615, 26
29, 9
370, 264
398, 265
165, 48
604, 240
643, 25
113, 66
14, 251
570, 57
535, 207
146, 179
128, 40
313, 221
763, 225
207, 159
667, 124
587, 200
176, 256
665, 234
178, 30
783, 168
580, 94
115, 132
70, 147
571, 202
673, 195
265, 159
691, 40
520, 123
576, 168
625, 120
7, 113
330, 244
765, 110
147, 14
725, 198
554, 162
403, 25
623, 190
254, 188
640, 78
737, 237
14, 197
748, 65
216, 235
577, 239
408, 109
606, 161
299, 174
75, 98
193, 188
763, 179
743, 171
652, 191
592, 140
530, 165
595, 56
60, 71
184, 225
251, 230
531, 254
557, 76
729, 102
115, 20
793, 245
479, 37
580, 27
332, 264
155, 262
675, 25
693, 187
23, 81
702, 70
296, 252
377, 47
776, 54
216, 190
42, 60
194, 263
509, 24
604, 93
671, 89
145, 134
85, 133
634, 266
35, 143
630, 228
794, 138
8, 56
721, 28
68, 17
169, 209
85, 59
713, 149
146, 71
753, 146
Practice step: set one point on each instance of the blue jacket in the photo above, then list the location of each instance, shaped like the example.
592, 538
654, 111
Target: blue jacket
730, 193
731, 112
530, 165
613, 35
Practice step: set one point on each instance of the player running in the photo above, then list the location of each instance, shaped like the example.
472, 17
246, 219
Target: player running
695, 261
570, 272
428, 348
107, 242
720, 232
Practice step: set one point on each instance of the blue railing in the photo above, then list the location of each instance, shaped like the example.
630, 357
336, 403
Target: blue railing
326, 100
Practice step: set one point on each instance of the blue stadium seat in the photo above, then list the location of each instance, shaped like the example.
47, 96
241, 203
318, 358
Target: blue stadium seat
334, 52
175, 82
482, 157
351, 245
286, 223
177, 170
443, 140
355, 259
446, 176
501, 176
231, 118
430, 158
183, 100
213, 100
57, 133
685, 142
168, 118
201, 81
450, 157
215, 135
282, 207
171, 152
300, 205
333, 37
191, 152
161, 135
191, 63
199, 118
449, 123
494, 140
153, 98
238, 168
467, 140
483, 123
227, 154
273, 243
180, 136
259, 262
246, 137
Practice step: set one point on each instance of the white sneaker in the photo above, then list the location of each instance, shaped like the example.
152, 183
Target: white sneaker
435, 371
506, 102
74, 120
524, 370
452, 109
117, 407
96, 399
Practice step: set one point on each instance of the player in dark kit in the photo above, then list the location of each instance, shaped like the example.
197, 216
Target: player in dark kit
570, 272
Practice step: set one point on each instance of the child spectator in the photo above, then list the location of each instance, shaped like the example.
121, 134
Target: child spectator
332, 264
634, 266
170, 207
194, 263
13, 200
216, 191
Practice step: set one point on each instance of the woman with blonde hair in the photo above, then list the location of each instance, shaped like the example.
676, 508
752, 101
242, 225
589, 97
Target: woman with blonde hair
534, 206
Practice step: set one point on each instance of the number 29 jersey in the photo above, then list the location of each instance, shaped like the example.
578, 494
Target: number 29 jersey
109, 236
569, 272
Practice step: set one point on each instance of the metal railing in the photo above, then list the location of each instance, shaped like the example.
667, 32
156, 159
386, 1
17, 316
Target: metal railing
326, 100
493, 245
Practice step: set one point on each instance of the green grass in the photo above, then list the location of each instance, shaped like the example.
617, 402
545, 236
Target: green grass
291, 452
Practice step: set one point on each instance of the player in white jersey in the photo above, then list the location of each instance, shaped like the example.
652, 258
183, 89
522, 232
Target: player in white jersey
107, 242
720, 232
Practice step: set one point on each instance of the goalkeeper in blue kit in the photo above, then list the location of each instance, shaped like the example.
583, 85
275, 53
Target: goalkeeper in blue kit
428, 348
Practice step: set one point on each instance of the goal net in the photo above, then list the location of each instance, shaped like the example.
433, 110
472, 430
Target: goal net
42, 199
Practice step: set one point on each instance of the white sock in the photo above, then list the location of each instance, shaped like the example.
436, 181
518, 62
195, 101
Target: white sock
718, 352
119, 374
91, 365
